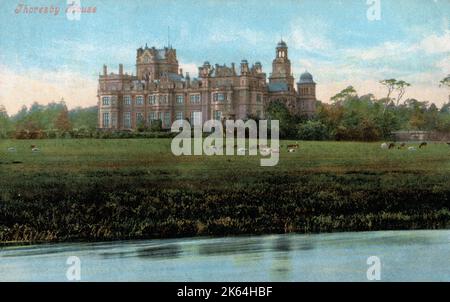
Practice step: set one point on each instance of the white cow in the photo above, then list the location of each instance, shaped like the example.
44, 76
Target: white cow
384, 146
265, 151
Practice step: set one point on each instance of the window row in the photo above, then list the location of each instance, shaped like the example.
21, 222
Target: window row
152, 99
164, 99
306, 90
109, 121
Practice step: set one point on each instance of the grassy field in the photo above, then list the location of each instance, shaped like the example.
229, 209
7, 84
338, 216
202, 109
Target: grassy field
135, 188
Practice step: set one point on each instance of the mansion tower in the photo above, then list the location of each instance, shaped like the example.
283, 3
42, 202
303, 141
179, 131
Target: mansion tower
161, 91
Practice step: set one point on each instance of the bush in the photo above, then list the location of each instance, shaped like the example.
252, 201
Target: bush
156, 126
313, 130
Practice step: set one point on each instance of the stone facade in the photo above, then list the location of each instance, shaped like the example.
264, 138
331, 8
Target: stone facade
161, 91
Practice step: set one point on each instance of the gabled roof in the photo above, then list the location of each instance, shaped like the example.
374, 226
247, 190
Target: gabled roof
175, 76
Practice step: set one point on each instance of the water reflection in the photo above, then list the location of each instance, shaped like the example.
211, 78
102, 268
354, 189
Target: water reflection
166, 252
282, 265
323, 257
231, 247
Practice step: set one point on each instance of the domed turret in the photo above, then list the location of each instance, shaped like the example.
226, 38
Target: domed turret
306, 89
306, 78
306, 86
281, 44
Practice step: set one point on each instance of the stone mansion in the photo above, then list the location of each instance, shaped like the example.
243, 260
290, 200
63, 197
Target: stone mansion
161, 91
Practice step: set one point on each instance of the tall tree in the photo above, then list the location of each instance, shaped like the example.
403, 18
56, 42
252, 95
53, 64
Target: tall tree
446, 81
5, 123
344, 95
390, 84
84, 118
401, 86
393, 85
277, 110
3, 112
62, 122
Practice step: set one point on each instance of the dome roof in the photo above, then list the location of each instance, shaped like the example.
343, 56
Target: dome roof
306, 78
282, 44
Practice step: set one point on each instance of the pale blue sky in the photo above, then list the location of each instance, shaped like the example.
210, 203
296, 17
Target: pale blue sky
44, 57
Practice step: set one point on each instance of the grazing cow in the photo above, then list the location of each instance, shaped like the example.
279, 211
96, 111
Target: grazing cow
412, 149
33, 147
423, 145
384, 146
12, 149
293, 146
35, 150
391, 146
265, 151
291, 150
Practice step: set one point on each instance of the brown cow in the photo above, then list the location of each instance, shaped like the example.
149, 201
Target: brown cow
423, 145
402, 146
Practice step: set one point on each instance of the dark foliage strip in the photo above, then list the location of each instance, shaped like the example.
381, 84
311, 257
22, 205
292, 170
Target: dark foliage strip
109, 209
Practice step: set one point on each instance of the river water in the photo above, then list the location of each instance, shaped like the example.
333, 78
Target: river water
403, 256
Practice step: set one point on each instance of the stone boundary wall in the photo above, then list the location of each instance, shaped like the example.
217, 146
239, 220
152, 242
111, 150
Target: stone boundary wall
421, 136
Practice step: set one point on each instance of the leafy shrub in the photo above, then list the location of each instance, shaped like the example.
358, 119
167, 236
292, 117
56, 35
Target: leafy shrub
313, 130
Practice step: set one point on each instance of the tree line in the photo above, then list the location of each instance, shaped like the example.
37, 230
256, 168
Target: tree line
364, 118
48, 121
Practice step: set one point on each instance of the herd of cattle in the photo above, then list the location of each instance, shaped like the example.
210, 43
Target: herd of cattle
290, 148
402, 146
388, 146
33, 148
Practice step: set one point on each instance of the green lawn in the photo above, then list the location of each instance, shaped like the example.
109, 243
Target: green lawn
86, 156
135, 188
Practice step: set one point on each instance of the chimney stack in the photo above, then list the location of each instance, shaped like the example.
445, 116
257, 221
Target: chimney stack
121, 69
188, 80
105, 70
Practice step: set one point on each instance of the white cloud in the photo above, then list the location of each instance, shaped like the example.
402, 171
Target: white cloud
436, 43
225, 34
396, 50
24, 88
309, 35
444, 65
192, 68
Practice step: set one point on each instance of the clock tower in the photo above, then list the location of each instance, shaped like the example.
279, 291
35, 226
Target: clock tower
281, 67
